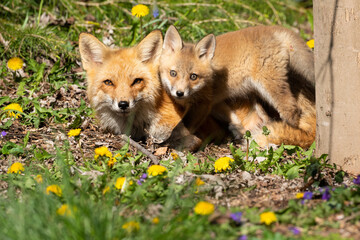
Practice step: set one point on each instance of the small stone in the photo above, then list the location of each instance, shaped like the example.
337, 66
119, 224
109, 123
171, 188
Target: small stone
246, 176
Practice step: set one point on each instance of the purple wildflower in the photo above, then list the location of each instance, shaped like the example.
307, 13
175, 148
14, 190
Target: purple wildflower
295, 230
3, 134
236, 217
243, 237
357, 180
155, 11
308, 195
325, 194
142, 179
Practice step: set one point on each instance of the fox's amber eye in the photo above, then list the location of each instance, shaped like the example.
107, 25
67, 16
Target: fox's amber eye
193, 76
137, 80
173, 73
108, 82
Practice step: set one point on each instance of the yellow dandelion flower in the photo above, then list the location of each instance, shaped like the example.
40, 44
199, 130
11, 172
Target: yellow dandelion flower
155, 220
16, 168
54, 189
223, 164
204, 208
299, 195
39, 179
199, 182
131, 226
155, 170
106, 189
74, 132
311, 43
10, 110
118, 155
140, 10
174, 156
15, 63
128, 154
131, 182
64, 210
102, 151
120, 182
111, 162
268, 218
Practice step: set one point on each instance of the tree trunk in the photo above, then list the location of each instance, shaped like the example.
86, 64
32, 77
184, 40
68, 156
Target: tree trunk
337, 72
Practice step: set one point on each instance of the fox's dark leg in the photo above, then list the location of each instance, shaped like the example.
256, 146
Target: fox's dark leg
224, 113
196, 115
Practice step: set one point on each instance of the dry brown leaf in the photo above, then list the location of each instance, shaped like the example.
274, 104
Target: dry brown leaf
161, 151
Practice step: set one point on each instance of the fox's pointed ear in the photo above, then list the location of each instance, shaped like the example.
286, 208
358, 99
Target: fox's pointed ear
172, 40
205, 48
150, 47
92, 51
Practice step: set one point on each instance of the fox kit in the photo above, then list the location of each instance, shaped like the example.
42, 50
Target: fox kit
125, 90
236, 65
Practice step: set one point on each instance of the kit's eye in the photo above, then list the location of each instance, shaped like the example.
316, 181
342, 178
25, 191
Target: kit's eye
108, 82
173, 73
193, 76
137, 80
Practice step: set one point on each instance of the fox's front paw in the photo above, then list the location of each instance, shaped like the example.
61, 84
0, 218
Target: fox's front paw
189, 143
159, 134
157, 140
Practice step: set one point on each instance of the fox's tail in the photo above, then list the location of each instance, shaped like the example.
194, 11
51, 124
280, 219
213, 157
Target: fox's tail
253, 115
281, 132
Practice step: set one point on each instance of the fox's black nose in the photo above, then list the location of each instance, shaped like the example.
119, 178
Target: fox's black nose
123, 105
179, 93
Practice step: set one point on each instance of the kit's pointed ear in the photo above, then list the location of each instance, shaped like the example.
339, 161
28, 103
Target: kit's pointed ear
150, 47
92, 51
172, 40
205, 48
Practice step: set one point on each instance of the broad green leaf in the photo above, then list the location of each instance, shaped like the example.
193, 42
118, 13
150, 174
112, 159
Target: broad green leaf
293, 172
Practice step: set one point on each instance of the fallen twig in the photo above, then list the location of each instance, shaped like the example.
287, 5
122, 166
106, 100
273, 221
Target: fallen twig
308, 184
136, 145
351, 217
3, 42
7, 9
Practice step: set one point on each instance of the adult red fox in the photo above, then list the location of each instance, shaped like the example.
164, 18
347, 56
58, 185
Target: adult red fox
267, 63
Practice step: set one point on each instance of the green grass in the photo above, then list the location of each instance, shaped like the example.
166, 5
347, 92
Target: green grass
44, 34
28, 212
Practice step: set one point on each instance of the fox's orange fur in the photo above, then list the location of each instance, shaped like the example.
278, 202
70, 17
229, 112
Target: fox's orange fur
125, 90
258, 63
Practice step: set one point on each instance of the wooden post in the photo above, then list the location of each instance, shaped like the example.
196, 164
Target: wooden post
337, 72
